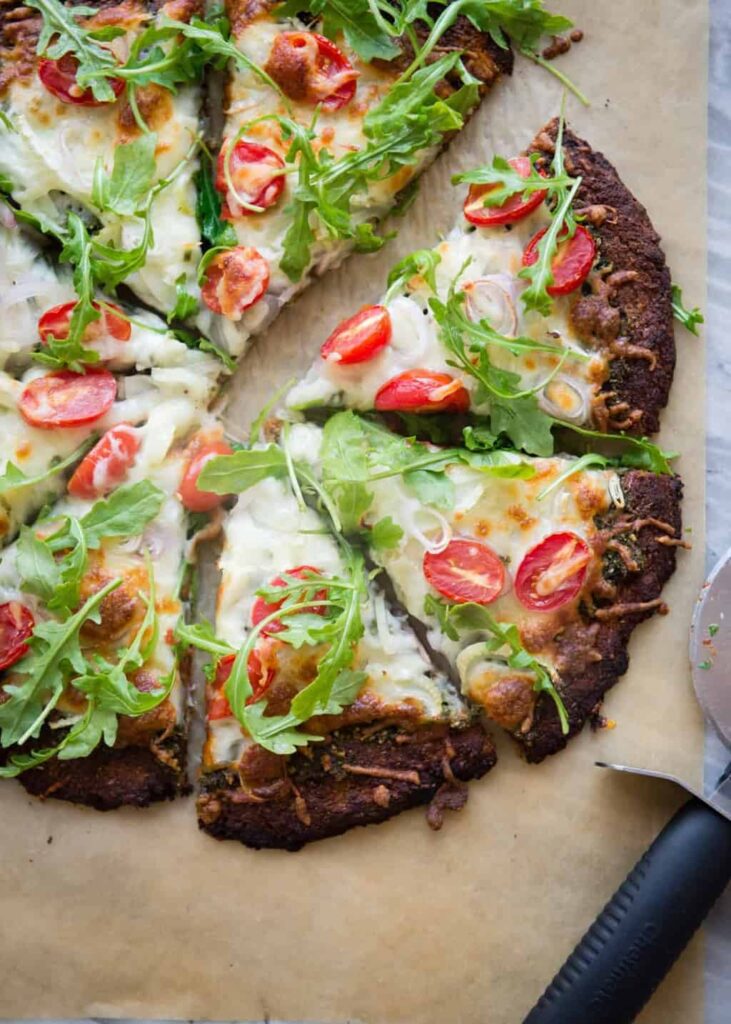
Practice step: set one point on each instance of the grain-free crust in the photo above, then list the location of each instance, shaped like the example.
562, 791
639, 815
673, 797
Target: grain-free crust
592, 654
624, 308
355, 777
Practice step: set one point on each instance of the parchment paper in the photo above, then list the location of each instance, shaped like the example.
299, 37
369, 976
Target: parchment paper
136, 914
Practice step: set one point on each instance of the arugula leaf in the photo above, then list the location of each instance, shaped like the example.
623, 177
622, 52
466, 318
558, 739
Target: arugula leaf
505, 642
65, 353
507, 182
77, 249
233, 474
13, 478
639, 453
186, 305
385, 534
203, 636
38, 569
61, 34
689, 318
421, 263
124, 513
132, 177
215, 231
345, 468
354, 18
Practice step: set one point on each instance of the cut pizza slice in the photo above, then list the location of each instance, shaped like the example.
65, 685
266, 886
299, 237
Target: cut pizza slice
549, 304
92, 691
324, 711
529, 574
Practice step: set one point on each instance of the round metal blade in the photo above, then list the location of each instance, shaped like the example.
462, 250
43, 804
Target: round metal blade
710, 647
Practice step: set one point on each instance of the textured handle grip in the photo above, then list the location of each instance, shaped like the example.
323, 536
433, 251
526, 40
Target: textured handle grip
645, 926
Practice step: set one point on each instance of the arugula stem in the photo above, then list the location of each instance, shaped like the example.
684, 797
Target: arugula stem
548, 65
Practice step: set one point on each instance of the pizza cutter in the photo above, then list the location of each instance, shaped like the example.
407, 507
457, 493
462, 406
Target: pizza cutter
645, 926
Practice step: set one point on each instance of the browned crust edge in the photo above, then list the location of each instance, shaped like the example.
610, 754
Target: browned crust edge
584, 682
109, 778
322, 799
628, 243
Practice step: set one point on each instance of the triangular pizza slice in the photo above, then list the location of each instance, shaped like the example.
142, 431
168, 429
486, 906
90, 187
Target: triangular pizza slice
549, 303
323, 710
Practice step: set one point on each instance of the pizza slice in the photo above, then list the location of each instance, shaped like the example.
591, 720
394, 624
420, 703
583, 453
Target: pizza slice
92, 690
549, 304
528, 574
323, 710
100, 111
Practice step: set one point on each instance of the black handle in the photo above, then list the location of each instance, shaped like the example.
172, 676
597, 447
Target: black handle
645, 926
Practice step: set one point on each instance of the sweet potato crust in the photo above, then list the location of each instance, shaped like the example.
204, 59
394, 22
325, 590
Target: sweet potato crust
356, 777
625, 308
592, 655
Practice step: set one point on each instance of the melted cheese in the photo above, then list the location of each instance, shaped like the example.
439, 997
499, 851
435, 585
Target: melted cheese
485, 263
267, 534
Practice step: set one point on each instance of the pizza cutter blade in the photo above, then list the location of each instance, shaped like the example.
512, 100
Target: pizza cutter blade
645, 926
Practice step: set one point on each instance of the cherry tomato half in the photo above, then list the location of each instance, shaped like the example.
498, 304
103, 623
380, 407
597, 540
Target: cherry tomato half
16, 626
553, 572
465, 570
359, 338
235, 280
59, 77
67, 399
311, 69
261, 608
573, 260
57, 320
191, 497
218, 705
106, 464
514, 208
256, 175
422, 391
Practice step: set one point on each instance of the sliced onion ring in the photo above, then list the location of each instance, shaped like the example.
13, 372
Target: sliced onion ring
488, 298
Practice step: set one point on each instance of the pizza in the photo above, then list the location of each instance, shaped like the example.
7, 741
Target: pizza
490, 323
340, 719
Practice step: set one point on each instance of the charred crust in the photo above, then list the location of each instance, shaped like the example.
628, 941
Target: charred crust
355, 777
592, 653
626, 308
132, 776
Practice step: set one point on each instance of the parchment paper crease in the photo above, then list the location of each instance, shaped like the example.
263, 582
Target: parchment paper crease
135, 914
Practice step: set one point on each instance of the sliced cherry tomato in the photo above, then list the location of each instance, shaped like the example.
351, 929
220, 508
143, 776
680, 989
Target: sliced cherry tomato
256, 175
218, 705
422, 391
191, 497
55, 323
59, 77
359, 338
234, 281
573, 260
67, 399
311, 69
514, 208
106, 464
553, 572
465, 570
261, 608
16, 626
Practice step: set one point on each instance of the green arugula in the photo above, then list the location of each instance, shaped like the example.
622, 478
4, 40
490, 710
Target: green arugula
385, 534
689, 318
133, 174
13, 478
421, 263
637, 453
507, 182
505, 642
215, 231
186, 305
233, 474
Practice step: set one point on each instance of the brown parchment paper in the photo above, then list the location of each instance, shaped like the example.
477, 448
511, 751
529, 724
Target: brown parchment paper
136, 914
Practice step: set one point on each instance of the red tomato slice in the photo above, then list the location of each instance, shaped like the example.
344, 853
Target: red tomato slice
359, 338
553, 572
218, 705
514, 208
16, 626
59, 77
255, 172
465, 571
261, 609
106, 464
57, 320
67, 399
573, 260
311, 69
191, 497
234, 281
422, 391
